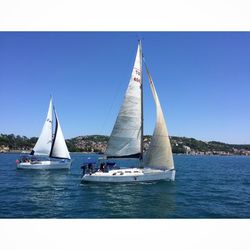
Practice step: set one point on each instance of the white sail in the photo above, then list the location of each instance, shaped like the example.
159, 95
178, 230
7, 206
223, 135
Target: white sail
59, 148
159, 154
43, 145
125, 139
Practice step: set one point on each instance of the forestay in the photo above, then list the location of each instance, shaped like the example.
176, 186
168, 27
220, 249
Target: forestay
159, 154
125, 139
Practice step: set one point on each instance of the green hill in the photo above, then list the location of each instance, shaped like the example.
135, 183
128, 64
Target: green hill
98, 143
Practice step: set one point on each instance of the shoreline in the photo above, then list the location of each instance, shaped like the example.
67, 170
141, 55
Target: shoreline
85, 153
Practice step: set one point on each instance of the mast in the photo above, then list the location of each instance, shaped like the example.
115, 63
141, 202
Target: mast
53, 137
52, 121
141, 157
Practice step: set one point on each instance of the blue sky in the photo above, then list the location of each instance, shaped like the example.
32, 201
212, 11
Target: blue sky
202, 79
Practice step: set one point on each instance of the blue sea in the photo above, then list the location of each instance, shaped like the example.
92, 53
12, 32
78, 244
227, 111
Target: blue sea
205, 187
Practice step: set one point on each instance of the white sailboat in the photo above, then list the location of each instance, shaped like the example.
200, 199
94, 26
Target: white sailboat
50, 148
126, 140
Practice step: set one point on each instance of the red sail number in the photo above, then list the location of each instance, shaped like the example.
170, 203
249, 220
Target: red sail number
137, 79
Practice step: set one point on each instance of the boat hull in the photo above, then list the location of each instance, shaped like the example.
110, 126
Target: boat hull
45, 165
141, 175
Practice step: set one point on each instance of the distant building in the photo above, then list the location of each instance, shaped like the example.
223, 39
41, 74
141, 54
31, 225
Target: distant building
187, 149
4, 149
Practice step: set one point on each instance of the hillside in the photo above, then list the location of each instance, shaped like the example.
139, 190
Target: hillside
98, 143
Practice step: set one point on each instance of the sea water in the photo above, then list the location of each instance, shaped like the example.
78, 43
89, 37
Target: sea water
205, 187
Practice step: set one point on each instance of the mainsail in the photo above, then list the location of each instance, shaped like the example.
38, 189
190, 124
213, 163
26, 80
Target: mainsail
43, 145
59, 148
125, 139
159, 154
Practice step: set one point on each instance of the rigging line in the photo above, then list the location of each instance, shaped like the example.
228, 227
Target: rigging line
102, 125
143, 58
117, 90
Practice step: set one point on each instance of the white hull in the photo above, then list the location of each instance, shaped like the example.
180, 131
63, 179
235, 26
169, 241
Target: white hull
130, 175
45, 165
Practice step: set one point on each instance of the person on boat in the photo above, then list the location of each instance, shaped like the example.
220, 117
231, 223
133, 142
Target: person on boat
83, 167
102, 167
106, 168
90, 168
25, 159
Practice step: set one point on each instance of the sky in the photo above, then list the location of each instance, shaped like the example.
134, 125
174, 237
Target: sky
202, 80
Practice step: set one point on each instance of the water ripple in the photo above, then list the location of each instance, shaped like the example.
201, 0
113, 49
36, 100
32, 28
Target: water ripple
205, 187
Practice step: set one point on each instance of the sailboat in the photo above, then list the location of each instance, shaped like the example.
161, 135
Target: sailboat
126, 140
50, 151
